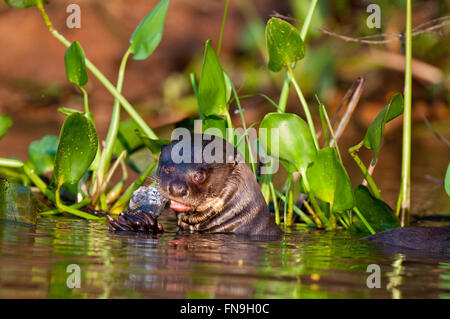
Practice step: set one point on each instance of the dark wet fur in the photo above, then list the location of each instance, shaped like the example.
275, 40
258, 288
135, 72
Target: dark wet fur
429, 239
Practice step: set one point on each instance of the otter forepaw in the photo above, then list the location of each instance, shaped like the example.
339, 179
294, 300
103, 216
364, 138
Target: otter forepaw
137, 222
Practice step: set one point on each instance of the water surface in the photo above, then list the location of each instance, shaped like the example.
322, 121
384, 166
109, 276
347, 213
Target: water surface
303, 264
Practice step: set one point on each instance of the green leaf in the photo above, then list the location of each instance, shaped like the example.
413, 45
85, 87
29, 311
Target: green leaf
5, 124
212, 89
377, 213
127, 139
374, 134
17, 203
155, 146
23, 4
215, 122
76, 64
447, 181
329, 181
296, 148
42, 153
149, 32
76, 150
284, 44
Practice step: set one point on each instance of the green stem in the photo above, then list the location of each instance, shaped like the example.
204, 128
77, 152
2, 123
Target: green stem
79, 205
331, 130
85, 99
275, 203
305, 108
356, 210
121, 204
113, 130
222, 27
70, 209
302, 215
405, 191
99, 75
194, 87
40, 184
290, 214
10, 163
370, 181
304, 31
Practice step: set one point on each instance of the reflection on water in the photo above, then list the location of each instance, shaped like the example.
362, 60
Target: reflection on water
304, 264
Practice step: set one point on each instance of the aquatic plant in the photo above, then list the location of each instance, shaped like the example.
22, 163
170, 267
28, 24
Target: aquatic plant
82, 167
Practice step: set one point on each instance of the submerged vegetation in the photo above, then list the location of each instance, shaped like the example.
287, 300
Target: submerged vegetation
82, 167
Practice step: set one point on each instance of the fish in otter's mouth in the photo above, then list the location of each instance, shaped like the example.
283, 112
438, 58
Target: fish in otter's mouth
211, 188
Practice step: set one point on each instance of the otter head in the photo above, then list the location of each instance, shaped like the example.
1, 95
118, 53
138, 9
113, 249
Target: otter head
194, 170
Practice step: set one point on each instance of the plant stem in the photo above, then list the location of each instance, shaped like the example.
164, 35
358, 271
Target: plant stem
302, 215
304, 31
70, 209
275, 203
85, 99
331, 130
10, 163
40, 184
356, 210
222, 27
113, 130
305, 108
405, 191
121, 204
370, 181
78, 205
99, 75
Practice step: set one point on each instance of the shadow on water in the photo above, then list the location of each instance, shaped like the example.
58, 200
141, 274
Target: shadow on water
302, 264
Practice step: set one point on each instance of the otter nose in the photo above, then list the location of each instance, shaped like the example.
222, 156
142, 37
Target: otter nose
178, 188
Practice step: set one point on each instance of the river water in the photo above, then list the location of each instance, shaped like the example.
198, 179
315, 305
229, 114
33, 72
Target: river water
34, 263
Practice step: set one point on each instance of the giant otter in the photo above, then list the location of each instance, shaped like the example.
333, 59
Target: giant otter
211, 189
220, 194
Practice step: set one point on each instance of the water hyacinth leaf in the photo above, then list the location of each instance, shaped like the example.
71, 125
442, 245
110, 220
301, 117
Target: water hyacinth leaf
17, 203
154, 145
284, 44
76, 64
215, 125
447, 181
76, 150
377, 213
329, 181
212, 89
23, 4
374, 134
41, 153
127, 139
5, 124
149, 32
296, 148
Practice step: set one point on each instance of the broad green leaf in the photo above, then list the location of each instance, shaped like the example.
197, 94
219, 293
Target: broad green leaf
377, 213
42, 153
17, 203
23, 4
76, 64
229, 86
329, 181
5, 124
295, 144
155, 146
212, 89
149, 32
76, 150
284, 44
374, 134
447, 181
127, 139
215, 122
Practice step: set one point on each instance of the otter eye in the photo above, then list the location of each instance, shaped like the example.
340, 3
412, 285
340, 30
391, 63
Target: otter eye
199, 177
